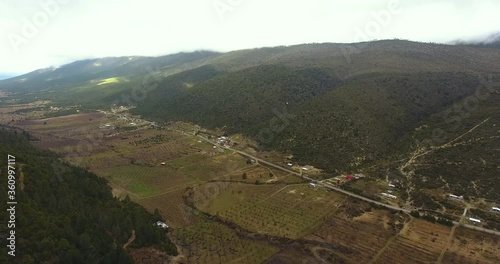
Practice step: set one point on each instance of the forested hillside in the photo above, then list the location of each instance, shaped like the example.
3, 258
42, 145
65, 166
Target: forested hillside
331, 123
65, 214
339, 107
239, 101
357, 112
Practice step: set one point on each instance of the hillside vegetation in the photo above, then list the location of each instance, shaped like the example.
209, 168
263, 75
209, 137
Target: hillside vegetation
68, 215
343, 112
340, 107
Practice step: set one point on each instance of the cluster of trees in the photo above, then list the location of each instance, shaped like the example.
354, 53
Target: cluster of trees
360, 192
423, 200
433, 219
66, 214
151, 140
64, 112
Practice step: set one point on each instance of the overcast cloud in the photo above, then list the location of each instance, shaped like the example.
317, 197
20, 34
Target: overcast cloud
33, 36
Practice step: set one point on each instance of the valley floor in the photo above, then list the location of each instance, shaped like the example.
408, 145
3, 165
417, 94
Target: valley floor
225, 207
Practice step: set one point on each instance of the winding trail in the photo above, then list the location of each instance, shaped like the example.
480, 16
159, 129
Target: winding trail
448, 243
130, 240
420, 153
450, 237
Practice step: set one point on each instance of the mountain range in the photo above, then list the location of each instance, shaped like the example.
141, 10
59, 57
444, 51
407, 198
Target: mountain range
415, 112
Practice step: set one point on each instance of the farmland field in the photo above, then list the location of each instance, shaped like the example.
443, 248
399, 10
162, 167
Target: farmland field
132, 160
171, 207
283, 210
362, 234
210, 242
222, 208
469, 246
143, 181
420, 242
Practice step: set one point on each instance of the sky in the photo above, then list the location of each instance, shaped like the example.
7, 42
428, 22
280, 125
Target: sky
37, 34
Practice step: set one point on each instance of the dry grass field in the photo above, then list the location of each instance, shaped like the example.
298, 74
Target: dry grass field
362, 236
468, 246
418, 242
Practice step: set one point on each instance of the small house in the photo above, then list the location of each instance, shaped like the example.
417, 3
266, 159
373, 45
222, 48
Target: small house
496, 209
162, 225
389, 195
456, 197
312, 185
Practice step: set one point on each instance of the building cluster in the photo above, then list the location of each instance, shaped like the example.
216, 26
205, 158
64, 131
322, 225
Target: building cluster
391, 186
224, 141
340, 180
132, 121
116, 109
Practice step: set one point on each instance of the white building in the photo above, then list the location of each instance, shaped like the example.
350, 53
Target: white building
389, 195
474, 220
312, 185
496, 209
162, 225
456, 197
